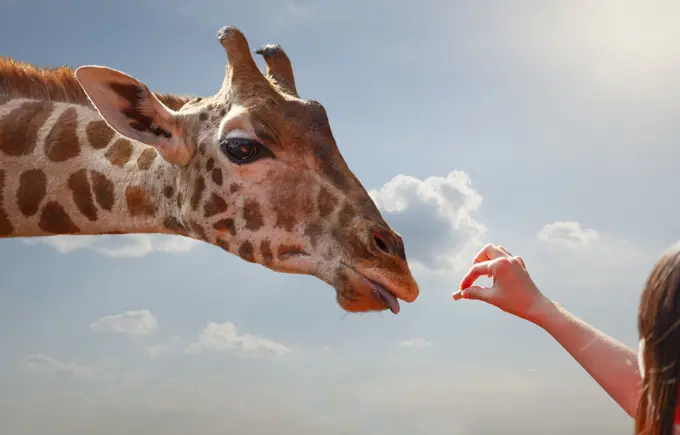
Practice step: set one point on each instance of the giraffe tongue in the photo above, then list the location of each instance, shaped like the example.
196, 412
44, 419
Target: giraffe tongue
388, 297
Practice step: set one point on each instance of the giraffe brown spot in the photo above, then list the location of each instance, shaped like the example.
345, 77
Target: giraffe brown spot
201, 149
138, 202
246, 252
99, 134
351, 243
326, 202
120, 152
223, 244
214, 205
104, 190
314, 230
285, 251
168, 191
266, 251
19, 128
225, 225
305, 208
203, 116
82, 196
210, 164
346, 238
356, 248
223, 112
285, 218
217, 176
345, 216
6, 227
252, 215
55, 220
146, 158
199, 188
234, 188
339, 177
174, 225
31, 192
62, 143
198, 230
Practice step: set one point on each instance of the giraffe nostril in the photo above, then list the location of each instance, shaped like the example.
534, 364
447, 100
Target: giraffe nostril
382, 242
388, 242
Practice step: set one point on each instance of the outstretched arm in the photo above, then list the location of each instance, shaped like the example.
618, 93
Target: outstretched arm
612, 364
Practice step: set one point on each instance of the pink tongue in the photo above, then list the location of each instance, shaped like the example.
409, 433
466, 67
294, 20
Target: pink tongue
388, 297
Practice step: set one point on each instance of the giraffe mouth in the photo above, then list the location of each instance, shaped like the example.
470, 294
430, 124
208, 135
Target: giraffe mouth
380, 291
385, 295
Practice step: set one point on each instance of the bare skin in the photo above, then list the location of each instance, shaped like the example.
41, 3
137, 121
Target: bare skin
612, 364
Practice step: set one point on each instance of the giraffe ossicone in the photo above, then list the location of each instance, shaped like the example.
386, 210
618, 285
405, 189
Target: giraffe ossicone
253, 169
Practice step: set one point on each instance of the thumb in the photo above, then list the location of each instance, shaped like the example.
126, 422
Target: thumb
476, 292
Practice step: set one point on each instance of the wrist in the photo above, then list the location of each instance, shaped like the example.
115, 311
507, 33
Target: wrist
544, 313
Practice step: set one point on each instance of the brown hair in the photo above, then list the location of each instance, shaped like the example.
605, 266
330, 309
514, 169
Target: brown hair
22, 79
659, 326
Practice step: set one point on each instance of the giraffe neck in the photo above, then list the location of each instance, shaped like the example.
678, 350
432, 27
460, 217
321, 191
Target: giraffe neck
64, 171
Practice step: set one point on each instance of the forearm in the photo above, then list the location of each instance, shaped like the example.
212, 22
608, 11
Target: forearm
612, 364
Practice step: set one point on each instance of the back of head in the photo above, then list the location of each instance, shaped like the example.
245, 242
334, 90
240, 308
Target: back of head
659, 329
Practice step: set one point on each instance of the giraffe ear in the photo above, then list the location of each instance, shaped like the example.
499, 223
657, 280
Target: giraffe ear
131, 109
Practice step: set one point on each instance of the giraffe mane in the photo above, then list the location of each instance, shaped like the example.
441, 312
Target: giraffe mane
23, 80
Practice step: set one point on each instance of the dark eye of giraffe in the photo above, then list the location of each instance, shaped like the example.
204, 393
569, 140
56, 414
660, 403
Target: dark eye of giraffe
242, 150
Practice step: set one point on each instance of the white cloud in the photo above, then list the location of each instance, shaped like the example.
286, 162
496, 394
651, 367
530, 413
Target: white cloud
435, 218
156, 350
567, 233
140, 322
119, 245
415, 342
224, 337
39, 363
589, 246
590, 259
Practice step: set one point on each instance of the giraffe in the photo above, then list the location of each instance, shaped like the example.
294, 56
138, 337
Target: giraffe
254, 170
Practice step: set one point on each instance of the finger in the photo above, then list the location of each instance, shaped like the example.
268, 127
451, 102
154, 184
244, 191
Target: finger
489, 252
520, 260
475, 272
516, 258
476, 293
480, 269
502, 248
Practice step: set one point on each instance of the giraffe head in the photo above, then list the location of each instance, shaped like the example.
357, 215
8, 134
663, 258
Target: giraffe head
260, 175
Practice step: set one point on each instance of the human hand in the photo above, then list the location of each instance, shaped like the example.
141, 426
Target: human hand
513, 290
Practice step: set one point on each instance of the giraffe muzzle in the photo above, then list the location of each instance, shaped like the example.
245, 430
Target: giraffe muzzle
386, 296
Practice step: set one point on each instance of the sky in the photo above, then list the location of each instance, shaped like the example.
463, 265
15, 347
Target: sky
548, 127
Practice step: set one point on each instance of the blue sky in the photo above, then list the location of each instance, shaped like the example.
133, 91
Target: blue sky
549, 127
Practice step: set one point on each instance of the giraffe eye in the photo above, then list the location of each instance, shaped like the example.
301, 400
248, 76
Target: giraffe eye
240, 150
